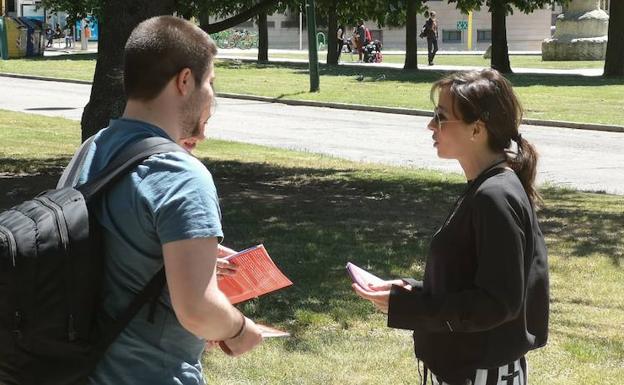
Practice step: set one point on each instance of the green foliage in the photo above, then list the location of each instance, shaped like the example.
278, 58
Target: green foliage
75, 9
526, 6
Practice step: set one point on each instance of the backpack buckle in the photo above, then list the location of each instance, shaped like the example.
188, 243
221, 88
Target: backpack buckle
17, 323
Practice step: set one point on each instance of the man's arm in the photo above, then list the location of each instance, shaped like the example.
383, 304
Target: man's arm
198, 303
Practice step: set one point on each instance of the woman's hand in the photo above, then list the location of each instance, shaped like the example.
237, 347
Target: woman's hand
379, 298
387, 285
379, 294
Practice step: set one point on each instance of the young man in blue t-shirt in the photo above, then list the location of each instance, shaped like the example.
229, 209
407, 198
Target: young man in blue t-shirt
166, 211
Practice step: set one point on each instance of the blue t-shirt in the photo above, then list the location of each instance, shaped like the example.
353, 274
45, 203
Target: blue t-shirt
168, 197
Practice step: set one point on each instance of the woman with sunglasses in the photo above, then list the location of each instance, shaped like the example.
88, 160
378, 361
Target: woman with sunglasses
483, 302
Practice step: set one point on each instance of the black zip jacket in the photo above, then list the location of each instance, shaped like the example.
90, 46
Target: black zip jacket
485, 294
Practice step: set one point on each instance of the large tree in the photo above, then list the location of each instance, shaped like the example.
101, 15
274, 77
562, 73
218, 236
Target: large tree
499, 9
614, 63
117, 18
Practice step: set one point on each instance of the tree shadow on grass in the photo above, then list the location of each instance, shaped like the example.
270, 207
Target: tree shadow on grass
314, 220
585, 232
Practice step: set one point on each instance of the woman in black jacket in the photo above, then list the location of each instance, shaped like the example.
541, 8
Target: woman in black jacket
483, 302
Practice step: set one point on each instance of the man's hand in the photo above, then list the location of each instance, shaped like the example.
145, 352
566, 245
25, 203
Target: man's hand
225, 267
249, 338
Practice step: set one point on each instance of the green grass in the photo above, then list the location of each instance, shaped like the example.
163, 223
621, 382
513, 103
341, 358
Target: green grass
74, 66
550, 97
314, 213
517, 61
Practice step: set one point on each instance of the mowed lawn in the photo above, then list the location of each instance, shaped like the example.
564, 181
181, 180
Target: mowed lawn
314, 213
550, 97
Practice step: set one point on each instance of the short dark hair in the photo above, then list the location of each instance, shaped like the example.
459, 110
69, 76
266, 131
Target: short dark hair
158, 49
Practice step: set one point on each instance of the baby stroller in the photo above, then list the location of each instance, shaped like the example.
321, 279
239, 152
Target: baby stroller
372, 52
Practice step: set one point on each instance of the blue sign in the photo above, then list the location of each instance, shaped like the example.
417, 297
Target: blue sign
93, 25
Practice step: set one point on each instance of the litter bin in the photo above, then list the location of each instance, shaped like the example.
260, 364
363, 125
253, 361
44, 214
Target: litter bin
20, 37
14, 38
36, 43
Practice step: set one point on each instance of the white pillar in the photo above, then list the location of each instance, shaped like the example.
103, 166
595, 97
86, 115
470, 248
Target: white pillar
84, 44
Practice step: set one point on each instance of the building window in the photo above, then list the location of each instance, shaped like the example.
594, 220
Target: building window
451, 36
484, 35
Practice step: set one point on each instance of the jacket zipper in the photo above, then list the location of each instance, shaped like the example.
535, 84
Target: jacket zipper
64, 234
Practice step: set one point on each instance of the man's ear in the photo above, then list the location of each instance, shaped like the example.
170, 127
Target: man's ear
184, 81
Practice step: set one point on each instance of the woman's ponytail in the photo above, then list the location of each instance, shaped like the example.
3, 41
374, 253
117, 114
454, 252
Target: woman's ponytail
524, 163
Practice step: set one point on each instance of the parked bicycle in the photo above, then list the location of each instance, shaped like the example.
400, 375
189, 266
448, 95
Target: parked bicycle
242, 39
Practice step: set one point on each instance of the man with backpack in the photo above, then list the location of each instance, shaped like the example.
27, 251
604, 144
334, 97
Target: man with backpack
165, 211
110, 279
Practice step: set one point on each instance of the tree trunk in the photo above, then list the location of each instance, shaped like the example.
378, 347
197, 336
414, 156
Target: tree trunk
411, 33
263, 38
204, 20
500, 50
119, 17
332, 30
614, 61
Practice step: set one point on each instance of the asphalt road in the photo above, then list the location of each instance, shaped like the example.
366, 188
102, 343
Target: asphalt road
586, 160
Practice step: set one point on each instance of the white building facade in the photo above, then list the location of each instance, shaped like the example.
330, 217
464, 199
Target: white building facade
524, 32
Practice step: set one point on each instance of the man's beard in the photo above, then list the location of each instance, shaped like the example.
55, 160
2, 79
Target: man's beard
191, 117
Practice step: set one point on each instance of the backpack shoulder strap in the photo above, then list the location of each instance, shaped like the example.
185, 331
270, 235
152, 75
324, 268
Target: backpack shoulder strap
126, 160
72, 171
151, 291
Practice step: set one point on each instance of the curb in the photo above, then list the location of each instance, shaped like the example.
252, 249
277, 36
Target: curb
342, 106
357, 107
44, 78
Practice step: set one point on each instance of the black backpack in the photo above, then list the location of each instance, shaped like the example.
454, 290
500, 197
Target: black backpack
51, 267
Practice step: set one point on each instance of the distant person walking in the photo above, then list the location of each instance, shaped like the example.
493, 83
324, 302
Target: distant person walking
363, 38
340, 41
430, 31
69, 36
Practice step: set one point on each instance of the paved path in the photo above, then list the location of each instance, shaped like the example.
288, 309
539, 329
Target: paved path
588, 160
274, 54
436, 67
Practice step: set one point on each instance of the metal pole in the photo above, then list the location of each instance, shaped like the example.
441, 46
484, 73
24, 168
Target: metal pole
470, 31
300, 30
312, 48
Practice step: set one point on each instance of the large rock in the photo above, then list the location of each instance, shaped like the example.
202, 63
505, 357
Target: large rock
581, 33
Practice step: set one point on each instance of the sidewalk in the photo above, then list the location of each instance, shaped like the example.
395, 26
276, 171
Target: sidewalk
59, 49
244, 55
